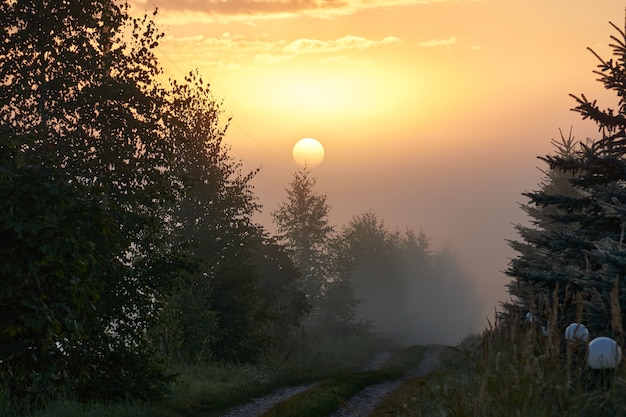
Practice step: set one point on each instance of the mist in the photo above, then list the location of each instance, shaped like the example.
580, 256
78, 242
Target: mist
425, 298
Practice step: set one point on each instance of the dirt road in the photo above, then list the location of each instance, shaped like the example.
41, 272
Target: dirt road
364, 403
360, 405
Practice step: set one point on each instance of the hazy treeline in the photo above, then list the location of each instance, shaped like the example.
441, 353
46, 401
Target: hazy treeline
394, 282
127, 233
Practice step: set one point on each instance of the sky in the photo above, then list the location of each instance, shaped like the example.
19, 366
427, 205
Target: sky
432, 113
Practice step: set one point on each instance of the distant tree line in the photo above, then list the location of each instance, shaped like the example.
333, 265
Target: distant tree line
126, 232
365, 277
571, 257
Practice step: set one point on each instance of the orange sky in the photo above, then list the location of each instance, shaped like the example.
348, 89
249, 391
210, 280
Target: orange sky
432, 113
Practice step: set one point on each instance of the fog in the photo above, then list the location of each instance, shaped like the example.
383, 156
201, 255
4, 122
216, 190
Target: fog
412, 289
439, 304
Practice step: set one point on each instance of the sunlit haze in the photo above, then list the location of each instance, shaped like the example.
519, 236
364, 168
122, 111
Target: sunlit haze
431, 113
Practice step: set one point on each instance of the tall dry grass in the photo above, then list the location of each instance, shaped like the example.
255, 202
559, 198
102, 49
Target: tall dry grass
515, 369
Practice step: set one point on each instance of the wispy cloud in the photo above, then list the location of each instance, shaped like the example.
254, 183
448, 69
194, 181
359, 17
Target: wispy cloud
205, 11
265, 50
312, 46
438, 42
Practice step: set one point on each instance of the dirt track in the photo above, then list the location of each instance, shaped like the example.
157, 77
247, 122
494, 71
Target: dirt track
360, 405
364, 403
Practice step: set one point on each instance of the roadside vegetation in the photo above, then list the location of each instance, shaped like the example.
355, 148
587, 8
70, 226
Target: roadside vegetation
209, 389
511, 370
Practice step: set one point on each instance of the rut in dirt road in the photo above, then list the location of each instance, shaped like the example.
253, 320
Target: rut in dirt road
260, 405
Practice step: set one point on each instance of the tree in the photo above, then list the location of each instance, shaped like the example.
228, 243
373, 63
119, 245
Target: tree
281, 301
218, 303
303, 228
530, 290
375, 267
587, 247
56, 242
81, 100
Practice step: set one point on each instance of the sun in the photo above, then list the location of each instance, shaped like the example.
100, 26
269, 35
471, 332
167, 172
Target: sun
308, 152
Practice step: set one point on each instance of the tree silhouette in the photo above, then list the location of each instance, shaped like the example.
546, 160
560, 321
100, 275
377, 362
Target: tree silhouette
303, 228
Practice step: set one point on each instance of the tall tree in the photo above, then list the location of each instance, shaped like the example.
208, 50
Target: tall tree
212, 215
303, 228
588, 246
78, 92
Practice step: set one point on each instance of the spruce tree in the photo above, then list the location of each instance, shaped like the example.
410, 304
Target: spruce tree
539, 269
585, 252
304, 229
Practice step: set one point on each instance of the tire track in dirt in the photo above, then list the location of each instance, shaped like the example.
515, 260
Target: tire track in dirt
260, 405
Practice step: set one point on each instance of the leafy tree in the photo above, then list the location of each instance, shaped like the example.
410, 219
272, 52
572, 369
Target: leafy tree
84, 96
405, 290
212, 215
303, 228
375, 268
56, 241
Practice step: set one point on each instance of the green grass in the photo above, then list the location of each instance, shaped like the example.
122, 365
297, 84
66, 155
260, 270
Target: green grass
75, 409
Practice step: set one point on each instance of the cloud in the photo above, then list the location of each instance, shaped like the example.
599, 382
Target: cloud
438, 42
313, 46
264, 50
207, 11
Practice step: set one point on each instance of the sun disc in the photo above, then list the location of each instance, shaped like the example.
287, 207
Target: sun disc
308, 152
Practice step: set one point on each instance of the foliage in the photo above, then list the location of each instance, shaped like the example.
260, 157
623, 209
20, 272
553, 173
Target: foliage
374, 266
57, 242
536, 249
79, 95
207, 389
583, 241
215, 314
281, 301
